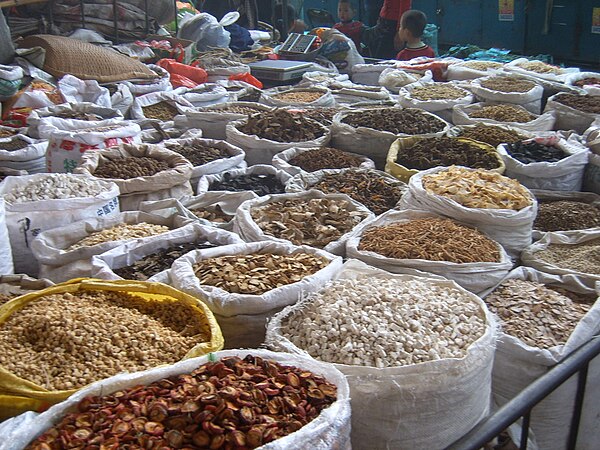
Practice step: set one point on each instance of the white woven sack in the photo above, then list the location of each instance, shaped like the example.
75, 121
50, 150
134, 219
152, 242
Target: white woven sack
6, 261
461, 72
553, 196
75, 90
223, 73
261, 151
175, 100
442, 108
563, 175
65, 147
26, 220
543, 122
419, 406
213, 123
170, 131
517, 365
591, 89
513, 66
235, 156
568, 118
368, 73
511, 229
15, 285
395, 79
530, 100
249, 231
58, 263
530, 259
35, 151
591, 178
48, 115
329, 431
205, 94
474, 277
142, 87
268, 97
371, 143
227, 201
122, 99
237, 89
243, 317
281, 161
359, 93
124, 254
259, 169
173, 182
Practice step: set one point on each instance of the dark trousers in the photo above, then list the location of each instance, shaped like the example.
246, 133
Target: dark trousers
380, 39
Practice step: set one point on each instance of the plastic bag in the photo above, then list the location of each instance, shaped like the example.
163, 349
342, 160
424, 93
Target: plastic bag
340, 50
173, 182
26, 220
242, 317
329, 431
511, 229
474, 277
196, 74
530, 259
31, 158
425, 405
568, 118
563, 175
205, 30
461, 71
75, 90
590, 89
261, 151
246, 227
59, 263
394, 79
281, 160
10, 81
206, 94
126, 253
517, 365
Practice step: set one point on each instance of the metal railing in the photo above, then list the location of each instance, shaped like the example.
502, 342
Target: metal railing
521, 405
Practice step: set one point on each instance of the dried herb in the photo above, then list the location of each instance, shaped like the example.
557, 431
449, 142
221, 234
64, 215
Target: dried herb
564, 215
261, 184
396, 120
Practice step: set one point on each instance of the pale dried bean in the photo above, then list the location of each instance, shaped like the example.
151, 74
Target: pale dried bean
534, 313
65, 341
438, 91
55, 186
508, 84
583, 257
298, 96
382, 322
540, 67
120, 232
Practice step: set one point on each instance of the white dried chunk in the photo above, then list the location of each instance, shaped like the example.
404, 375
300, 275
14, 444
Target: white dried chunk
55, 186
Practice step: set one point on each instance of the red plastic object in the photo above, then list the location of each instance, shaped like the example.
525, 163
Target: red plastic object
248, 78
195, 74
181, 81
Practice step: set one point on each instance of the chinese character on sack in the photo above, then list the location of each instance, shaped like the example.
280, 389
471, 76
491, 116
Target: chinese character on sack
106, 209
69, 165
111, 142
67, 145
84, 147
100, 212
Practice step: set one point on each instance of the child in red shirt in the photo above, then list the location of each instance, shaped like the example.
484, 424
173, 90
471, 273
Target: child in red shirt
412, 25
351, 28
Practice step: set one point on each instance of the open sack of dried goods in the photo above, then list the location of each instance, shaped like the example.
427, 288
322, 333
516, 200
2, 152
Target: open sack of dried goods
543, 318
307, 160
66, 252
407, 156
12, 286
438, 98
244, 285
565, 211
427, 242
370, 132
155, 133
149, 259
213, 120
299, 97
86, 61
493, 135
258, 392
216, 209
65, 146
6, 261
60, 339
502, 114
304, 218
142, 171
35, 203
240, 90
512, 89
260, 179
265, 134
417, 353
470, 70
11, 78
591, 178
159, 83
498, 206
588, 81
549, 162
567, 253
208, 156
540, 69
72, 116
20, 152
205, 94
376, 190
574, 111
159, 106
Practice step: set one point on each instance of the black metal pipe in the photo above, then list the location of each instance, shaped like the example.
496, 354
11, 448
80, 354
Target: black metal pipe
525, 431
146, 18
82, 13
577, 407
284, 17
523, 402
116, 21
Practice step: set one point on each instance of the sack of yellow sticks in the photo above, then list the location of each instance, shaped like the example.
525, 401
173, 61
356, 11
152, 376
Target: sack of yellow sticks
60, 339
